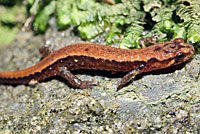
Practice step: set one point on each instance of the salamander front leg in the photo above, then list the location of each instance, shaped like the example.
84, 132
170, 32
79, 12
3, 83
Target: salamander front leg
151, 40
46, 50
129, 76
73, 80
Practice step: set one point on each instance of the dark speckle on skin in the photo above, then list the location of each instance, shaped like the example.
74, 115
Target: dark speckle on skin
157, 49
171, 45
170, 48
166, 44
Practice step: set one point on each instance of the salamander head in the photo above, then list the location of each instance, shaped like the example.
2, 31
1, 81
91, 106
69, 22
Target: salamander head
177, 51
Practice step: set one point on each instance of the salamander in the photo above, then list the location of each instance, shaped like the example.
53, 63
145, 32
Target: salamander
98, 57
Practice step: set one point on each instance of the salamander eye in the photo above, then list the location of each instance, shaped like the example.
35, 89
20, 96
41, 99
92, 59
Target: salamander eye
179, 56
178, 40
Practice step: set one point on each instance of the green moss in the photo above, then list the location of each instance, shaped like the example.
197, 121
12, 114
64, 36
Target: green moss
131, 38
91, 30
193, 33
168, 18
7, 35
113, 35
64, 9
11, 19
40, 23
179, 32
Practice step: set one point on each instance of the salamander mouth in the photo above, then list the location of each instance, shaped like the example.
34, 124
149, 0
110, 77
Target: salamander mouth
189, 53
184, 57
192, 50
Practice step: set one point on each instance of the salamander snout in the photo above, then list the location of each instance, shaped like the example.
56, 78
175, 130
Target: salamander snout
180, 45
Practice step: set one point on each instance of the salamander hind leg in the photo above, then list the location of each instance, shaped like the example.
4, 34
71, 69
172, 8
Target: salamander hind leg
73, 80
129, 76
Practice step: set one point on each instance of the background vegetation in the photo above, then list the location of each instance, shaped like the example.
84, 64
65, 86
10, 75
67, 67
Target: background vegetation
124, 22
